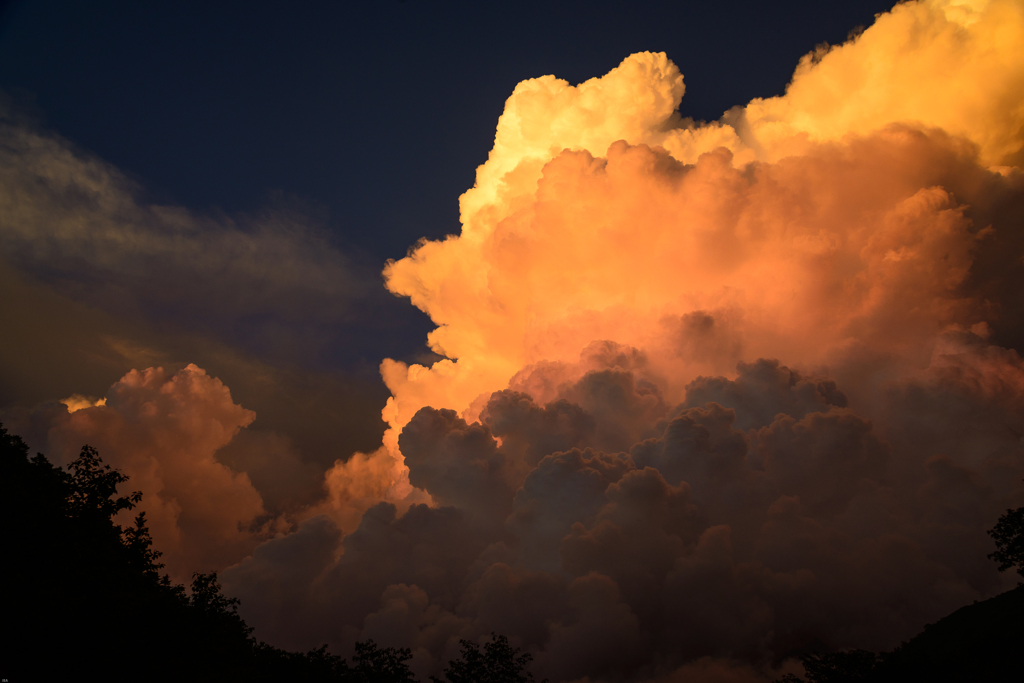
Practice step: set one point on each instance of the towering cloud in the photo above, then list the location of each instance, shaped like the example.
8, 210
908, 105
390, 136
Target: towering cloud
844, 222
712, 393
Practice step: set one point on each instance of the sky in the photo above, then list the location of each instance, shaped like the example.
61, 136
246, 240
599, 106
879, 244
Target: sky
671, 341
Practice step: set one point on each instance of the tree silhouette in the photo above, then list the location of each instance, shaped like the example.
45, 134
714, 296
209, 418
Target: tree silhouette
498, 663
374, 665
1008, 533
82, 595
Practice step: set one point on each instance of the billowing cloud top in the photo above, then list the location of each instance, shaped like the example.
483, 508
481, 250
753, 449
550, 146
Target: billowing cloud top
712, 392
708, 387
599, 215
162, 430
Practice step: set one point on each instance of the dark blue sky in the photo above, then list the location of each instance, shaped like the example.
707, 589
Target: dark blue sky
375, 115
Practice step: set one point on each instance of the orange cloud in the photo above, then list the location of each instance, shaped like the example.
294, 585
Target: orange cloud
162, 430
826, 225
712, 392
951, 64
706, 382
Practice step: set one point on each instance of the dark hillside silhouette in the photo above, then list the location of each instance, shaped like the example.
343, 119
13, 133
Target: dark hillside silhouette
979, 642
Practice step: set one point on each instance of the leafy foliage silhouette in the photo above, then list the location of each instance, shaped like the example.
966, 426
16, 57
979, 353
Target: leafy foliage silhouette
498, 663
1008, 533
85, 596
374, 665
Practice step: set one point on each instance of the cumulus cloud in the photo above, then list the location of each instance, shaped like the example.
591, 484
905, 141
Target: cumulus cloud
949, 64
722, 545
712, 394
163, 431
588, 223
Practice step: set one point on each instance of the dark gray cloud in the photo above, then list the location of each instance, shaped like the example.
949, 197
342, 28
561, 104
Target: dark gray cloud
765, 515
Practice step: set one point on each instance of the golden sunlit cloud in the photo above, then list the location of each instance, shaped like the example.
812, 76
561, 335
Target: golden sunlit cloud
77, 402
813, 227
711, 394
673, 348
